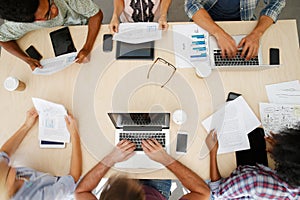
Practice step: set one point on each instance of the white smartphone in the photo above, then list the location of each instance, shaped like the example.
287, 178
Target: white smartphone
181, 144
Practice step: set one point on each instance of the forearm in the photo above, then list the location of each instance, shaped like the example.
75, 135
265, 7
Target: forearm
164, 7
118, 8
189, 179
76, 158
203, 19
11, 145
263, 24
93, 30
13, 48
214, 170
94, 176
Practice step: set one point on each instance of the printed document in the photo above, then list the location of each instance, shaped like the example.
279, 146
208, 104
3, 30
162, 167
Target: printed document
191, 46
140, 32
275, 117
52, 125
284, 93
232, 122
56, 64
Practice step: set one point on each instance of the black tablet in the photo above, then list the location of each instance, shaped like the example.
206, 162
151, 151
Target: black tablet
135, 51
62, 41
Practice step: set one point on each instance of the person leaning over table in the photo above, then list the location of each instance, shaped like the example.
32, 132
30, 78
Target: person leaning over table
23, 183
206, 12
23, 16
259, 181
129, 189
140, 11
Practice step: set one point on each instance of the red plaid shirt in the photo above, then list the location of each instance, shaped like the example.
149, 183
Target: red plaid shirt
254, 182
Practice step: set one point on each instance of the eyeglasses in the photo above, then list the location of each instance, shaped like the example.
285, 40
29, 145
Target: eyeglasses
164, 62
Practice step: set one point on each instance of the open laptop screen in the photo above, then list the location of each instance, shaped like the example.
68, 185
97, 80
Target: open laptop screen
121, 120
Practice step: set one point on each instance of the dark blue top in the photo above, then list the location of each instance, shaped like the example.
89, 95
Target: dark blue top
226, 10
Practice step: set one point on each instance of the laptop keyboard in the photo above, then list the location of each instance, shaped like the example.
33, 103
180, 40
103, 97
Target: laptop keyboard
235, 61
138, 137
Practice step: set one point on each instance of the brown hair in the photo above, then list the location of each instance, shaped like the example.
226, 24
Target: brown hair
3, 175
120, 187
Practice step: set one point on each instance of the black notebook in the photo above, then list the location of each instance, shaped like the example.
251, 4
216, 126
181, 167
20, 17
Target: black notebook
62, 41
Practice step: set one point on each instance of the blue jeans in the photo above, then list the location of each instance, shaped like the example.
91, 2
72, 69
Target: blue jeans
163, 186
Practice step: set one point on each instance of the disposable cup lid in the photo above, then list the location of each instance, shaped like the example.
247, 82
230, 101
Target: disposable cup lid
11, 83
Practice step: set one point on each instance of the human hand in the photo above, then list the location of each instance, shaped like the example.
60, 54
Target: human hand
114, 24
31, 117
212, 142
163, 24
71, 124
156, 152
270, 142
250, 45
226, 44
123, 151
33, 63
82, 56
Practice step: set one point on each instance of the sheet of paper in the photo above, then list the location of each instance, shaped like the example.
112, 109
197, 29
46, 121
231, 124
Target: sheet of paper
190, 46
284, 93
52, 125
233, 122
275, 117
56, 64
135, 33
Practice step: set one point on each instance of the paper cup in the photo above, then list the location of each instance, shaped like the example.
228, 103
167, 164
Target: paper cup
12, 84
179, 117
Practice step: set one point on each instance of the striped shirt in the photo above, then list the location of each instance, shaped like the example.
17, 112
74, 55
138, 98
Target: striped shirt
247, 8
254, 182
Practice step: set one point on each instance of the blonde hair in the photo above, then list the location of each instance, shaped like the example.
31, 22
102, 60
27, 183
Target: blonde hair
3, 175
120, 187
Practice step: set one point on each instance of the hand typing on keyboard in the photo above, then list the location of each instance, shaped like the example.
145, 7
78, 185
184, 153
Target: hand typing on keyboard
156, 152
250, 45
123, 151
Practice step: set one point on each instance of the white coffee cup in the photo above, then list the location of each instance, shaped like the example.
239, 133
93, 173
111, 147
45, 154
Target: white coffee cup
12, 84
179, 117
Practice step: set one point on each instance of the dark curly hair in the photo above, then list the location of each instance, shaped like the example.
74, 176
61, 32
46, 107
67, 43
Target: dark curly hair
286, 154
18, 10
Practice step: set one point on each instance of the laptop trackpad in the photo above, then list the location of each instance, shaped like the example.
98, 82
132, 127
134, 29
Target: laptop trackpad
139, 161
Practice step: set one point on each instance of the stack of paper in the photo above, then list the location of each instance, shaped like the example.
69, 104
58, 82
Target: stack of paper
232, 122
52, 125
284, 109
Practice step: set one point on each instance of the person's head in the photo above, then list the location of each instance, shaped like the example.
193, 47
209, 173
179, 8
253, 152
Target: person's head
120, 187
18, 10
4, 173
285, 153
27, 10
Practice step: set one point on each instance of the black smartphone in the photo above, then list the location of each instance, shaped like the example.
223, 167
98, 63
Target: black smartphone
274, 56
232, 95
107, 42
33, 53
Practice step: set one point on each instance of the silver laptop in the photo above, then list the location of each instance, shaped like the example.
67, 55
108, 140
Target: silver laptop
138, 126
236, 63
